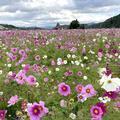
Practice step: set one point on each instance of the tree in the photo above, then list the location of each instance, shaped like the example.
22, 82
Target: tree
74, 24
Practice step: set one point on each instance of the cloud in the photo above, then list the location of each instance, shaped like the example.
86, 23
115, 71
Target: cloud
49, 12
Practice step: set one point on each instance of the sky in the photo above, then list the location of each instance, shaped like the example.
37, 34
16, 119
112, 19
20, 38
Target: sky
46, 13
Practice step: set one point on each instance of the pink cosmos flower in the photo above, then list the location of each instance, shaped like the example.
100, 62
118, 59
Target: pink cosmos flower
63, 103
2, 114
73, 49
46, 79
107, 45
99, 118
100, 53
20, 78
31, 80
117, 105
68, 73
89, 90
13, 100
64, 89
14, 50
35, 68
82, 97
96, 112
79, 73
79, 88
45, 69
12, 57
37, 110
37, 57
53, 63
22, 52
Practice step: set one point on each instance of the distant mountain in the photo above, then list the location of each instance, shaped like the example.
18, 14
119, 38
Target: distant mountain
11, 27
6, 26
30, 28
113, 22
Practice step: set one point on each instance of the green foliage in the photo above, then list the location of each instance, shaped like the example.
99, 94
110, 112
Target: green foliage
74, 24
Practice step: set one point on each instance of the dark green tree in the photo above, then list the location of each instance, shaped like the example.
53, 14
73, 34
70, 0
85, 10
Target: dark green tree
74, 24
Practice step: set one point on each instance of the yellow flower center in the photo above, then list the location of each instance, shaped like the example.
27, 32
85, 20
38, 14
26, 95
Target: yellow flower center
80, 96
109, 81
88, 90
96, 111
35, 110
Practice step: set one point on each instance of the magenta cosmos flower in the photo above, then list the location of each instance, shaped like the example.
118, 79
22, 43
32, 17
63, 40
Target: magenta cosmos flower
31, 80
20, 77
2, 114
26, 68
89, 91
64, 89
79, 88
103, 107
13, 100
37, 110
111, 94
96, 112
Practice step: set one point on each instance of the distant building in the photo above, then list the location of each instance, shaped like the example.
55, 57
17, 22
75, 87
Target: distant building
60, 27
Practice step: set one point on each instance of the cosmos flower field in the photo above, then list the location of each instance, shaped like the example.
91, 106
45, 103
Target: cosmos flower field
60, 74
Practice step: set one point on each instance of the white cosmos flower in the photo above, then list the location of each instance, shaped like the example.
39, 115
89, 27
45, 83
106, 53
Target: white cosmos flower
72, 116
23, 65
65, 62
73, 56
85, 77
86, 58
1, 72
68, 55
1, 93
104, 78
111, 84
9, 65
94, 40
10, 73
82, 65
72, 62
59, 63
104, 99
59, 59
77, 62
45, 57
49, 72
37, 84
92, 52
119, 57
57, 69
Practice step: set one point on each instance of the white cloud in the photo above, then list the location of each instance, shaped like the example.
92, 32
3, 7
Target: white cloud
49, 12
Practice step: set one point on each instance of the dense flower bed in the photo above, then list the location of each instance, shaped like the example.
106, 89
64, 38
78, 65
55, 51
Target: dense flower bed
57, 75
